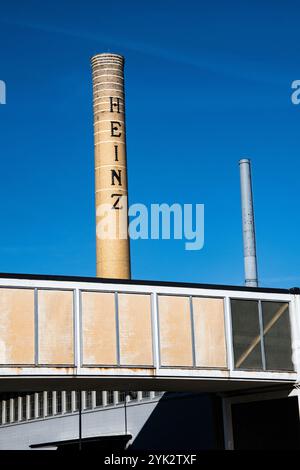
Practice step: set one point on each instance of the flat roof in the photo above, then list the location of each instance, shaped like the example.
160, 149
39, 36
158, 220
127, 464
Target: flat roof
49, 277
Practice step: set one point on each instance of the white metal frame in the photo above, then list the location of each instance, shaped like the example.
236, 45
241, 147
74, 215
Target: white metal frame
154, 291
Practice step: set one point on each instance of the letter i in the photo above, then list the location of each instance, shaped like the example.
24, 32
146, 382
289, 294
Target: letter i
116, 153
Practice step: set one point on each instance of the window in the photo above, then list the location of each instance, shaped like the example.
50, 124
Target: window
58, 402
122, 397
24, 408
50, 404
88, 400
41, 404
16, 409
77, 401
246, 334
145, 394
277, 335
110, 397
132, 396
261, 335
99, 401
68, 402
31, 407
7, 412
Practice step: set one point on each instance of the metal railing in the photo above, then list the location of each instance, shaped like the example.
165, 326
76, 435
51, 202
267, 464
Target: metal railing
41, 405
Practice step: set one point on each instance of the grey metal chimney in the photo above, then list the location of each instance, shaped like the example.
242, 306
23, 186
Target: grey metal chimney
250, 263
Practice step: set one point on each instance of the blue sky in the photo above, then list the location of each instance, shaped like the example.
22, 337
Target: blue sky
206, 84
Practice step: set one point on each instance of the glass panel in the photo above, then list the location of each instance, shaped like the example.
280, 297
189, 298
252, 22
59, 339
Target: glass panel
145, 394
175, 331
122, 396
55, 327
277, 335
17, 326
246, 334
99, 328
209, 329
135, 329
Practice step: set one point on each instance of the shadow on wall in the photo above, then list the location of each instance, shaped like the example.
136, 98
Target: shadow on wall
179, 422
267, 425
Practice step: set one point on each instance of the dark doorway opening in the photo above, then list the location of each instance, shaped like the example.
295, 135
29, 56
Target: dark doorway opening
266, 424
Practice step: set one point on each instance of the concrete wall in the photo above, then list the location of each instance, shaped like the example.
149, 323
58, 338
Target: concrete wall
178, 421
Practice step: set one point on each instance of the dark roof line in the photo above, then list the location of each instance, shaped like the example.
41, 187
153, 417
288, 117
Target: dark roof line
46, 277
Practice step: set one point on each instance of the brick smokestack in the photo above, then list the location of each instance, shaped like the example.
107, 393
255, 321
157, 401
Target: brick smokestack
112, 249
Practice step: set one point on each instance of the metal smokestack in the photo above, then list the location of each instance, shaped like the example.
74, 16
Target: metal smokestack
250, 264
112, 251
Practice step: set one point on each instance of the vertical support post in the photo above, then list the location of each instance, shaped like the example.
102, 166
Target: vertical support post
250, 263
63, 402
77, 330
116, 397
36, 405
73, 401
80, 421
228, 333
20, 403
104, 398
227, 423
83, 400
126, 401
11, 410
27, 407
3, 412
36, 328
118, 351
94, 399
54, 403
155, 331
295, 330
192, 330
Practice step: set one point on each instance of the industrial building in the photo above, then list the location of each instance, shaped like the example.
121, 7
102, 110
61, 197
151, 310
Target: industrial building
78, 356
220, 350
